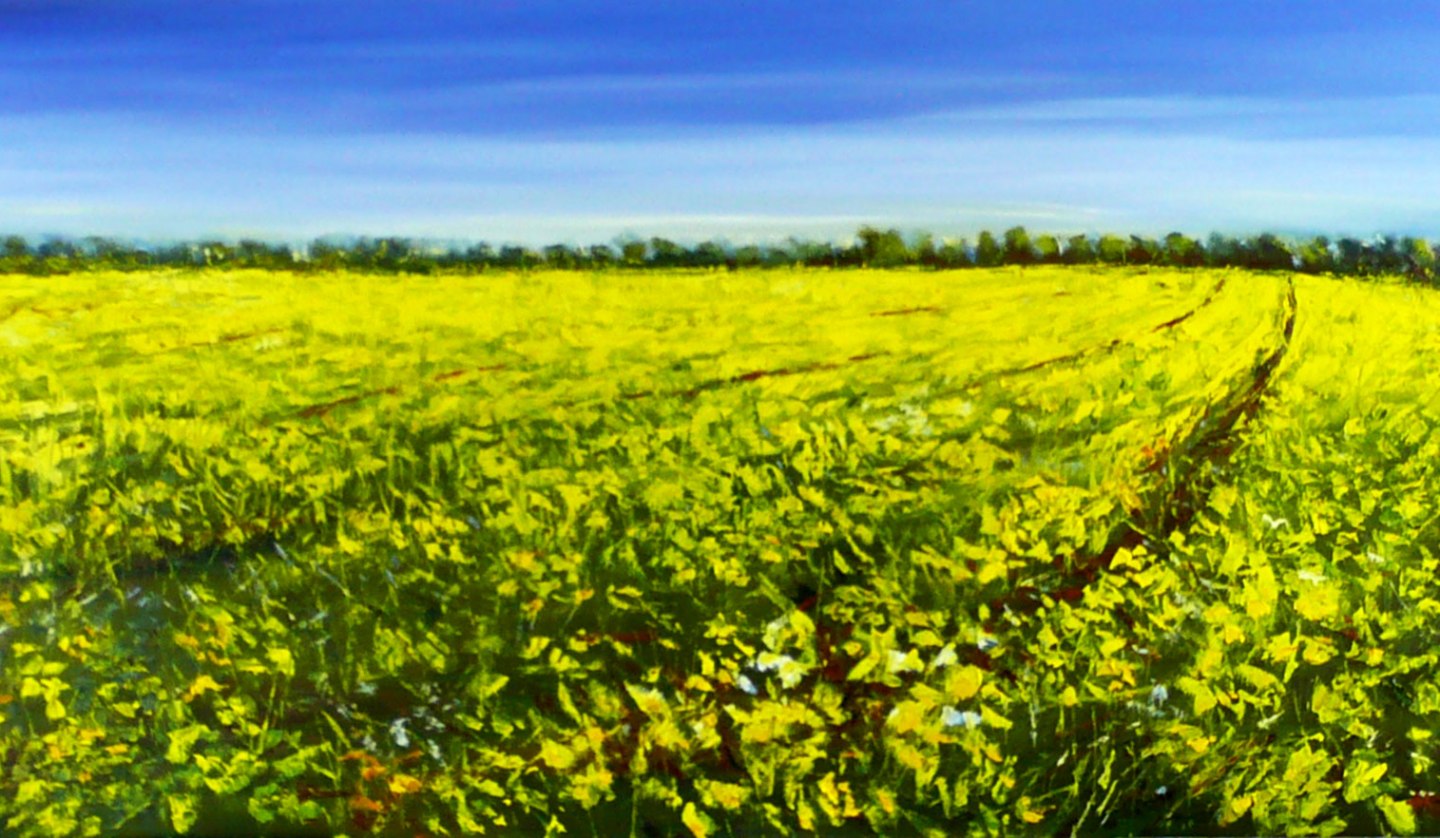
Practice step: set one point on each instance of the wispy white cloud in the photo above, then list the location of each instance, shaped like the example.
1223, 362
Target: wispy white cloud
162, 178
172, 48
49, 210
1109, 109
874, 78
1399, 114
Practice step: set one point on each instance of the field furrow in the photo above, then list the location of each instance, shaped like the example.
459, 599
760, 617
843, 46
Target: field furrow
1014, 551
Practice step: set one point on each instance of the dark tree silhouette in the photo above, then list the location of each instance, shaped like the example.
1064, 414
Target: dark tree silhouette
987, 251
1411, 257
632, 252
882, 249
1181, 251
1018, 250
1047, 249
1267, 252
956, 254
1112, 250
1079, 250
1317, 256
562, 257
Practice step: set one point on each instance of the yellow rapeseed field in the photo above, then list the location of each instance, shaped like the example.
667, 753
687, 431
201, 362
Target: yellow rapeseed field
1016, 550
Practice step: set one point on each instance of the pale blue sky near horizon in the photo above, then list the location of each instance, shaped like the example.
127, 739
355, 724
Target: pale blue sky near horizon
543, 121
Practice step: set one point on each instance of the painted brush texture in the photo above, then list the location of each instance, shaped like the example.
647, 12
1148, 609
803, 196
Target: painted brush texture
540, 122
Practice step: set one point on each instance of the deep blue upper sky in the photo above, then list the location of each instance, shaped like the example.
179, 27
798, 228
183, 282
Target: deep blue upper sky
535, 120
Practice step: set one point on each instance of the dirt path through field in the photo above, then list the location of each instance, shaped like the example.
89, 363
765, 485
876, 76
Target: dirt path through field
1182, 475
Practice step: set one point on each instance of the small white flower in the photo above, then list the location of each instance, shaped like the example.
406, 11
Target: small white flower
768, 662
985, 643
790, 670
1274, 523
1159, 695
399, 734
1162, 791
901, 662
951, 717
746, 685
1374, 557
944, 658
1311, 577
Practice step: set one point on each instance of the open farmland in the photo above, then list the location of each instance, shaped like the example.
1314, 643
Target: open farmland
1012, 550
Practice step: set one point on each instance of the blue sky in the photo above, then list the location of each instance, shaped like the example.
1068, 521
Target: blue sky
539, 120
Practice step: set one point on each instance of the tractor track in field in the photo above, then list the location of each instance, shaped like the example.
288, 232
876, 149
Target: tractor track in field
1095, 349
901, 312
1211, 442
323, 408
748, 377
178, 554
63, 311
978, 381
232, 337
1181, 487
15, 309
1182, 484
320, 409
182, 554
1212, 438
1184, 474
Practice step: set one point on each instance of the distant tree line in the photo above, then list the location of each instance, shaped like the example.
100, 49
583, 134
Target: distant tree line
1410, 257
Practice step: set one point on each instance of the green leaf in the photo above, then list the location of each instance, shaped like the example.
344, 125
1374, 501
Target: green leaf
283, 660
182, 812
1204, 697
1360, 780
1398, 814
182, 741
864, 667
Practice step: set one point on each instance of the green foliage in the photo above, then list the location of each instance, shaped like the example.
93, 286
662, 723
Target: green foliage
1018, 249
882, 249
1053, 550
1112, 250
1047, 250
1080, 251
1410, 258
1181, 251
988, 252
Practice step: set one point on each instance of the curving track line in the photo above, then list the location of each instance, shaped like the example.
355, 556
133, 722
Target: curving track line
1091, 351
1181, 482
323, 408
211, 542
